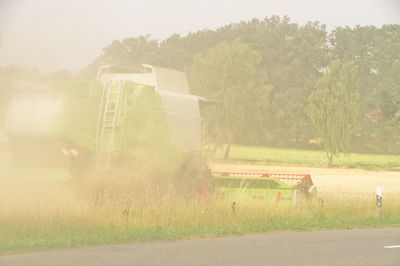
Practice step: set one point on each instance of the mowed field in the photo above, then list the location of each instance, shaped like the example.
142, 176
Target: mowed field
314, 158
343, 183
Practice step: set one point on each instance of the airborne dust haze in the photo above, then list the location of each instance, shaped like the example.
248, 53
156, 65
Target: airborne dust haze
107, 136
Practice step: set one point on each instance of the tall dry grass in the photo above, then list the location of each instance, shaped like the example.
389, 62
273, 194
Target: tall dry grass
120, 208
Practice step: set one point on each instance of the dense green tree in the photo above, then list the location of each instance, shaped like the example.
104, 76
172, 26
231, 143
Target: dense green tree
387, 97
60, 75
376, 52
22, 73
292, 56
333, 108
230, 74
130, 52
178, 52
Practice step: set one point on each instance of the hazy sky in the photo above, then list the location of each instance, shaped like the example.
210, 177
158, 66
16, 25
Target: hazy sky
52, 34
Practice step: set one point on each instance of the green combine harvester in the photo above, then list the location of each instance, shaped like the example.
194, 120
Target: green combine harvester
118, 117
123, 120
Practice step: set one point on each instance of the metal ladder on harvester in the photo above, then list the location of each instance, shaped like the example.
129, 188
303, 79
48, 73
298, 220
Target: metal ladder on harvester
108, 119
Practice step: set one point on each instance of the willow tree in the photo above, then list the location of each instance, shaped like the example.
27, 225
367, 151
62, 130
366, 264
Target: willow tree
333, 108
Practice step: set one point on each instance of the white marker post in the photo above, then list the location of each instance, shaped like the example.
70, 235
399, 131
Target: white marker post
378, 201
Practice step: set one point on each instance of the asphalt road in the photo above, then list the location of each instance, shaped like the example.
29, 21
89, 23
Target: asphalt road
345, 247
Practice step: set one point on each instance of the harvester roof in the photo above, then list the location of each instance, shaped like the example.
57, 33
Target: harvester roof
163, 79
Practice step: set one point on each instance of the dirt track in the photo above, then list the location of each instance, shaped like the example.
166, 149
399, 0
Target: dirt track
341, 182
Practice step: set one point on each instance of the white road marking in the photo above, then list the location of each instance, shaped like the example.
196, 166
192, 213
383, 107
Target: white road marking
391, 247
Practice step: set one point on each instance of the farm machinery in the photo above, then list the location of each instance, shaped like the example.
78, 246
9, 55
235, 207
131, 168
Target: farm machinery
104, 122
126, 119
265, 186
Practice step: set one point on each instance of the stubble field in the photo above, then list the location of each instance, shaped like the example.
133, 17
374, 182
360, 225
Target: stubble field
333, 183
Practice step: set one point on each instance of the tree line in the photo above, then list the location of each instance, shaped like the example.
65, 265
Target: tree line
264, 72
284, 84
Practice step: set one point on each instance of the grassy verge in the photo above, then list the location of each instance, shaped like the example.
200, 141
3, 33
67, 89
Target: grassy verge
309, 158
36, 232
